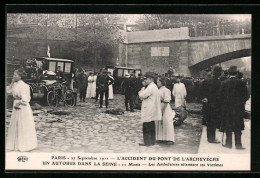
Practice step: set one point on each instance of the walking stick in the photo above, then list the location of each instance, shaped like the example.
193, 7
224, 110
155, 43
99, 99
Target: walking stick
223, 138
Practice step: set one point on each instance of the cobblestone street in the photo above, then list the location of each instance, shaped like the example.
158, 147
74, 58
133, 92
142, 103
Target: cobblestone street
88, 129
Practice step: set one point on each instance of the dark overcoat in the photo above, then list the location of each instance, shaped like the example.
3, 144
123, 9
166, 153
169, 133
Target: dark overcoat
130, 87
210, 90
233, 95
81, 80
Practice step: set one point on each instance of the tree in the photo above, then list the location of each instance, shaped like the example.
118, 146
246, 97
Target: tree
98, 31
82, 33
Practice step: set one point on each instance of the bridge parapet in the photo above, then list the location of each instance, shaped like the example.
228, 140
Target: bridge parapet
221, 37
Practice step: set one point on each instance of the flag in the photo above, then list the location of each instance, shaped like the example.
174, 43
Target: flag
48, 52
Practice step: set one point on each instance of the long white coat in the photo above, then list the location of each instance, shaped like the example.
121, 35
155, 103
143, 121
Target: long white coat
21, 132
151, 103
179, 93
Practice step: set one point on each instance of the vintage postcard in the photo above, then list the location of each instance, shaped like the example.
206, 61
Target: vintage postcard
128, 92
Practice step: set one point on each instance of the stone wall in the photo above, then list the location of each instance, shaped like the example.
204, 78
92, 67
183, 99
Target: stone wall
139, 56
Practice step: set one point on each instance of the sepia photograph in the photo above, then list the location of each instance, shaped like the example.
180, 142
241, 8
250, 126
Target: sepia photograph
128, 91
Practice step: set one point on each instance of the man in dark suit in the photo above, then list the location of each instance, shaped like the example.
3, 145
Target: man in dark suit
233, 95
81, 80
102, 83
209, 90
224, 76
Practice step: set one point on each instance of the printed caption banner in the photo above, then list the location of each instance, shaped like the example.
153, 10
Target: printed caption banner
126, 161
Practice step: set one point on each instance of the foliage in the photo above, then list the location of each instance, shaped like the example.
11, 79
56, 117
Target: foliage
90, 38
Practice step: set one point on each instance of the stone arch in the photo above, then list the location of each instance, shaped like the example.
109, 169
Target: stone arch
219, 59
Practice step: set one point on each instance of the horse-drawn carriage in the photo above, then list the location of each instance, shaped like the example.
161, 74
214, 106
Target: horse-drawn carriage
45, 85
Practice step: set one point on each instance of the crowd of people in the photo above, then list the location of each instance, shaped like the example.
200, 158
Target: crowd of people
208, 27
223, 94
94, 86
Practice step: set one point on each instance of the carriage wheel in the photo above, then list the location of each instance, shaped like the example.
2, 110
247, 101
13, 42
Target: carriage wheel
52, 99
69, 98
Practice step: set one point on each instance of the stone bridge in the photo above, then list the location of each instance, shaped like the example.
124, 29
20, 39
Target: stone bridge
207, 51
156, 50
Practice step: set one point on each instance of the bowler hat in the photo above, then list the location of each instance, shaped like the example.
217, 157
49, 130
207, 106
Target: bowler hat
232, 70
149, 75
217, 70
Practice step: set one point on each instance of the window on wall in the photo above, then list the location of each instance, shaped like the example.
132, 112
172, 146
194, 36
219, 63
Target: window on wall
52, 66
67, 67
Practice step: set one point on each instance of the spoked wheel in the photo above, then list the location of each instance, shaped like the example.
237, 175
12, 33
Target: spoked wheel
52, 99
69, 98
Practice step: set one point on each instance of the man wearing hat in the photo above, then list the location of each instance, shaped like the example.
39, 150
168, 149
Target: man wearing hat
151, 108
210, 88
233, 95
129, 87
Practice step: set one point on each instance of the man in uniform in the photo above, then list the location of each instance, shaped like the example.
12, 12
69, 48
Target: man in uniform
209, 90
151, 109
129, 87
102, 83
233, 95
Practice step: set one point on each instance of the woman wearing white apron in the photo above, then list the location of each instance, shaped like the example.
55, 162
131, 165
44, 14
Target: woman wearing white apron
90, 84
21, 132
94, 86
164, 127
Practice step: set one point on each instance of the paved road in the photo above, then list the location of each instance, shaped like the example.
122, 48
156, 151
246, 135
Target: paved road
88, 129
206, 147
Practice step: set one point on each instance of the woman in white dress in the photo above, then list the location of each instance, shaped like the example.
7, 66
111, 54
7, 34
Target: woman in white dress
94, 86
165, 128
90, 84
21, 132
111, 93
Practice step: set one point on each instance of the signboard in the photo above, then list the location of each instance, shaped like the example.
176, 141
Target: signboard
159, 51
